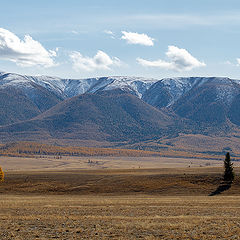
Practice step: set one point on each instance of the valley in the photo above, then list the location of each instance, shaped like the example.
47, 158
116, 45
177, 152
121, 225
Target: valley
118, 157
120, 120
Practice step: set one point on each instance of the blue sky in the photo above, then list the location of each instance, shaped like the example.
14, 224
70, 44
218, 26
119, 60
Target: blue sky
79, 39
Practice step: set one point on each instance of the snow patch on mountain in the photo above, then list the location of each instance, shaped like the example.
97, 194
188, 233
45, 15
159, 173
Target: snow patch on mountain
177, 87
228, 90
174, 88
136, 85
77, 87
66, 88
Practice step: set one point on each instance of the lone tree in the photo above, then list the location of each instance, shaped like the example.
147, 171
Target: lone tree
228, 169
1, 175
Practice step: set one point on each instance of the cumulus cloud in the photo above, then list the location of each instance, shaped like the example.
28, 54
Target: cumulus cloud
137, 38
179, 60
26, 52
100, 61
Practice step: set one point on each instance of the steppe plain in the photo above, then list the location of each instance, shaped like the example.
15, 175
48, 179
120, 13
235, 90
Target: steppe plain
117, 198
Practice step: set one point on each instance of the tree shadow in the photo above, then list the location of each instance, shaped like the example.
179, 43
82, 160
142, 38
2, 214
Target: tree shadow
221, 188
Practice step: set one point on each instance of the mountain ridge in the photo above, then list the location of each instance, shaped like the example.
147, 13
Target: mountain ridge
119, 110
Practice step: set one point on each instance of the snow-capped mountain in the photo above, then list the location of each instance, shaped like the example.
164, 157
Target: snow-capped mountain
91, 108
136, 85
94, 110
66, 88
159, 93
166, 92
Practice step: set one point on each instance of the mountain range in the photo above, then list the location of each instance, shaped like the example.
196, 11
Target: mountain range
135, 112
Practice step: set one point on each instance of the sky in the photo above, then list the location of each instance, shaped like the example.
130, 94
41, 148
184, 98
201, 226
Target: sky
148, 38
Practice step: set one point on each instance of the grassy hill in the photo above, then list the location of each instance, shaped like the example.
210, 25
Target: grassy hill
112, 116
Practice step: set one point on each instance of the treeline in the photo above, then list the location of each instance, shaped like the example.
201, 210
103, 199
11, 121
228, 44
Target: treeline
29, 149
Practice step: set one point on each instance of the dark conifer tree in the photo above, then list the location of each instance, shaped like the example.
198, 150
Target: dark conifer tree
228, 169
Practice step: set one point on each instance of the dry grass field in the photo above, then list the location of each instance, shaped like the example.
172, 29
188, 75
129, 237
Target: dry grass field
164, 182
43, 163
119, 217
44, 198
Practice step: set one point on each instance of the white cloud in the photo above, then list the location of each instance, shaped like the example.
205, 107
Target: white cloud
110, 33
74, 32
100, 61
179, 60
228, 62
238, 61
176, 21
234, 64
26, 52
137, 38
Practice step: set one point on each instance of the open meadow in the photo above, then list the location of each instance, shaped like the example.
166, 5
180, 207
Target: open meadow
119, 217
48, 162
93, 203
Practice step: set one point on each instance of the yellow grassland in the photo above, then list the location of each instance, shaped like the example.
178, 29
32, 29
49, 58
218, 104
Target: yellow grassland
28, 149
